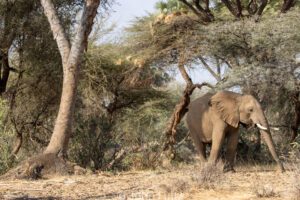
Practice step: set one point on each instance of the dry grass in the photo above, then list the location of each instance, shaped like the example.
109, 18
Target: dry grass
265, 192
184, 182
295, 179
209, 175
176, 187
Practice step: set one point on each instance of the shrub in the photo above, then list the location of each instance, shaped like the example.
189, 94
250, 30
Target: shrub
265, 192
209, 176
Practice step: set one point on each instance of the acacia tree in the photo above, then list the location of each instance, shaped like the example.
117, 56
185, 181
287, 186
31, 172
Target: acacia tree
177, 24
71, 55
238, 8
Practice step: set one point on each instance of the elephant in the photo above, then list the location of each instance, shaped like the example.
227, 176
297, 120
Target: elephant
216, 116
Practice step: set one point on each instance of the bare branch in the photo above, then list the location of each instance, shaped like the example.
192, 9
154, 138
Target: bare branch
218, 67
225, 61
216, 76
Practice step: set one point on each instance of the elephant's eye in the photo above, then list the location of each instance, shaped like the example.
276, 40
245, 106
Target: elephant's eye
250, 109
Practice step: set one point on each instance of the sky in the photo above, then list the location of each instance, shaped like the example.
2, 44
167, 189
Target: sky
125, 11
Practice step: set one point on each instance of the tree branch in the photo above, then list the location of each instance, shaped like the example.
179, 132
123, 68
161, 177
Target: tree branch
225, 61
181, 108
230, 7
239, 8
216, 76
287, 4
263, 4
204, 14
85, 28
198, 6
184, 73
56, 27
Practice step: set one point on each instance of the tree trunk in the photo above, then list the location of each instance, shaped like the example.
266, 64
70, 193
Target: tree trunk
180, 109
71, 60
52, 159
62, 129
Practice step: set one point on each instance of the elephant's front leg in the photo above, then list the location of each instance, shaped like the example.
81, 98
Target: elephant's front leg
217, 141
232, 142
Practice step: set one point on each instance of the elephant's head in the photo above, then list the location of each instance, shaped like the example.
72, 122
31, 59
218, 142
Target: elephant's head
237, 109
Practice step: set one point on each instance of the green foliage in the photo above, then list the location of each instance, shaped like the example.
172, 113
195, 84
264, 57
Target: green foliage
33, 89
118, 109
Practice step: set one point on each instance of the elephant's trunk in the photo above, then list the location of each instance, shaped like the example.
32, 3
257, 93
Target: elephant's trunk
266, 135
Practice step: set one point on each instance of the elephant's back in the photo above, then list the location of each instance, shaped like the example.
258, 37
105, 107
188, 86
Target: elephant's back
199, 104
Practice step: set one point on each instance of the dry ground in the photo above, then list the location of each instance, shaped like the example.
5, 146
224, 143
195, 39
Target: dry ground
185, 182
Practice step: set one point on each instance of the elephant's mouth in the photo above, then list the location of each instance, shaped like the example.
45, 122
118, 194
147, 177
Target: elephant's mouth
246, 126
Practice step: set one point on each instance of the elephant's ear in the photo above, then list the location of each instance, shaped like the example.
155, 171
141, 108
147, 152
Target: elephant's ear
226, 104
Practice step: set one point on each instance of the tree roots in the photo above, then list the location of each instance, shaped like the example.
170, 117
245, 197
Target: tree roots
41, 166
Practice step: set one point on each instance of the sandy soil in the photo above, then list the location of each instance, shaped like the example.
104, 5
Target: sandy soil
177, 183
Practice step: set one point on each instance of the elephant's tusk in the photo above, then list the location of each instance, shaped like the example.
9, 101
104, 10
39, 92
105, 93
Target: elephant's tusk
275, 129
261, 127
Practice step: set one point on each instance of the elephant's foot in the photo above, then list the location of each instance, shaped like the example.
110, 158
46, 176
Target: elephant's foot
228, 168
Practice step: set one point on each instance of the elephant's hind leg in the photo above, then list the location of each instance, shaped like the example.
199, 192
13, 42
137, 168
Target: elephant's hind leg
200, 146
202, 151
232, 142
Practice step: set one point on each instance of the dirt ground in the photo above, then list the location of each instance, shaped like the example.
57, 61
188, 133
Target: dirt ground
183, 182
